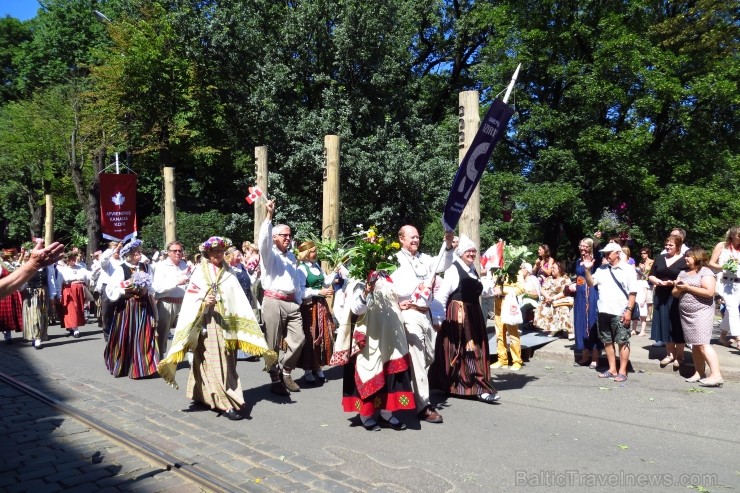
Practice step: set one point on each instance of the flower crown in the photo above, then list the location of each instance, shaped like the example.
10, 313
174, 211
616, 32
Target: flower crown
215, 243
130, 246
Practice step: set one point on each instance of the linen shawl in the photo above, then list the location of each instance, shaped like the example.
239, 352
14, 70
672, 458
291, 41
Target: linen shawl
235, 317
385, 338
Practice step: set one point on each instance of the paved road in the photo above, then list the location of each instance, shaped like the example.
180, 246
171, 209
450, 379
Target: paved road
559, 428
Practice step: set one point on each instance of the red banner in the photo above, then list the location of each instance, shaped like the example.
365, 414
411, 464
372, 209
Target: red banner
118, 206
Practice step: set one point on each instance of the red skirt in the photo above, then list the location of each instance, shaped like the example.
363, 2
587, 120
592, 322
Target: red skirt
11, 312
73, 305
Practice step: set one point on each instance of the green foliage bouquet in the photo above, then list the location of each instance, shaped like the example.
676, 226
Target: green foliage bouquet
372, 253
514, 256
331, 251
730, 266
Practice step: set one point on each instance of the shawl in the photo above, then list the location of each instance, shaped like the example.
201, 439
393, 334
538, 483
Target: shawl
386, 346
236, 319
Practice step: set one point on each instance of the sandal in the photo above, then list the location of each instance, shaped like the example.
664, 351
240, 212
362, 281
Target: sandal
620, 378
489, 398
667, 361
607, 374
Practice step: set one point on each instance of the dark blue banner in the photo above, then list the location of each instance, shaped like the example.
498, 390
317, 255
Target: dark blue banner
474, 163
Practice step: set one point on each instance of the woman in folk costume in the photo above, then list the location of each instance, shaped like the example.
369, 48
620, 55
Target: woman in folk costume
73, 277
371, 344
38, 291
318, 325
215, 321
11, 308
132, 346
461, 363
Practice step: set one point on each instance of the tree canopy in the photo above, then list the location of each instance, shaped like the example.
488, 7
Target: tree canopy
623, 109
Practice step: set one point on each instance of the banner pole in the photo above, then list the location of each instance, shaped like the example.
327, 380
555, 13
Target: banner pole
117, 168
511, 84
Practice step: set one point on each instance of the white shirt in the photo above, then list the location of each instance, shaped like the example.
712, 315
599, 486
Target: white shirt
76, 273
416, 269
279, 270
315, 269
611, 298
450, 284
167, 277
108, 265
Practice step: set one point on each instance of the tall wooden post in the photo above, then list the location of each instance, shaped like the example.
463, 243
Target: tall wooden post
169, 205
330, 210
260, 164
469, 121
49, 221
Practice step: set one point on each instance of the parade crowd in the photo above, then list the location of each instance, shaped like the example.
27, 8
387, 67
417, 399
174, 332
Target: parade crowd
399, 328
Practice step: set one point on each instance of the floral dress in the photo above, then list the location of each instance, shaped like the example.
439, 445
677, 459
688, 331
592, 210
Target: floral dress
548, 317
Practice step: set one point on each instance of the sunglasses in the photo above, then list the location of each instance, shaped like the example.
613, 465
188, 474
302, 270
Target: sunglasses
176, 251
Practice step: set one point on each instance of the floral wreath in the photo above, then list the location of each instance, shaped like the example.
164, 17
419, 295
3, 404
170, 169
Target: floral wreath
215, 243
130, 246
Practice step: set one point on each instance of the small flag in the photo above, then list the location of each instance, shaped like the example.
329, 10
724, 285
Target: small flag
254, 194
493, 257
422, 291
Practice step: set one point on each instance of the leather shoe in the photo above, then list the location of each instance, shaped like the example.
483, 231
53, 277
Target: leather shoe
430, 416
389, 423
233, 415
289, 383
279, 388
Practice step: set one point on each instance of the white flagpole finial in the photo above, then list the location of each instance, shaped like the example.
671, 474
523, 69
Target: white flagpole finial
511, 84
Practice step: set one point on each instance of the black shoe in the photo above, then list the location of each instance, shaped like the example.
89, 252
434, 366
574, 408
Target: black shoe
233, 415
279, 388
371, 425
388, 423
321, 380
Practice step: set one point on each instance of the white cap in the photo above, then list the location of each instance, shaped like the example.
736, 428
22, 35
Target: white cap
611, 247
464, 245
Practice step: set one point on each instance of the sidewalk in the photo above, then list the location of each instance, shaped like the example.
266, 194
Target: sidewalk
645, 358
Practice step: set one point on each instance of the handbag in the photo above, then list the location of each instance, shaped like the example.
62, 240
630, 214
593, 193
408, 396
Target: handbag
636, 308
566, 301
511, 314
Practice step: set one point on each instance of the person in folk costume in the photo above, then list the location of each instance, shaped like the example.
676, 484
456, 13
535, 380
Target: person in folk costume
371, 344
215, 321
132, 346
461, 363
11, 306
36, 295
318, 323
73, 278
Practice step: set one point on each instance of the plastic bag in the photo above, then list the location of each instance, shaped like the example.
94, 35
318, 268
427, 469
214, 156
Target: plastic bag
511, 314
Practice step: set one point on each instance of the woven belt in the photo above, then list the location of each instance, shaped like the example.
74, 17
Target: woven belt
278, 295
417, 308
731, 279
169, 299
72, 282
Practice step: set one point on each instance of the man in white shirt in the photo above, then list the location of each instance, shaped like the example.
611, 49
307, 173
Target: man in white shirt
170, 279
413, 278
109, 262
617, 282
281, 305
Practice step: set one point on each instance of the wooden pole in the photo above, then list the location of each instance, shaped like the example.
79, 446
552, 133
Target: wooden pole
469, 121
260, 164
170, 222
330, 211
49, 220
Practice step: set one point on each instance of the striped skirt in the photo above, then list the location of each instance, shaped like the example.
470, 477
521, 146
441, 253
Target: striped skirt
318, 327
460, 365
132, 346
35, 314
213, 378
